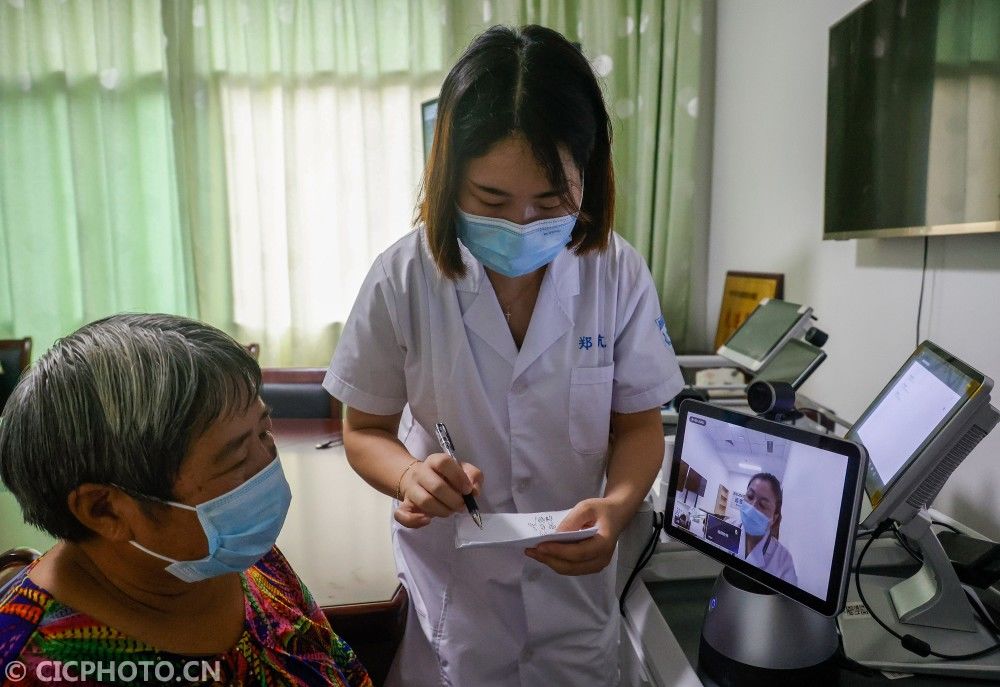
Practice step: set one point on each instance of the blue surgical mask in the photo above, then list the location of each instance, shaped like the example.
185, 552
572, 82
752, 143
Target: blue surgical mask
241, 526
755, 523
514, 249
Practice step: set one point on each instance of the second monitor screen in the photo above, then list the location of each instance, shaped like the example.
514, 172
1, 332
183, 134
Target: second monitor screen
767, 500
793, 364
764, 329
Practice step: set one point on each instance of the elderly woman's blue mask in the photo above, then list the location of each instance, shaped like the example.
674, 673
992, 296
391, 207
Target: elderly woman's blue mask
241, 526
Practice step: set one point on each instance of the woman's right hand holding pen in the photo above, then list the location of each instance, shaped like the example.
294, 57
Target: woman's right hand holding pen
433, 488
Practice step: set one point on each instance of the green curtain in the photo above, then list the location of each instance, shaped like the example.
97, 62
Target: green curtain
192, 156
116, 194
89, 219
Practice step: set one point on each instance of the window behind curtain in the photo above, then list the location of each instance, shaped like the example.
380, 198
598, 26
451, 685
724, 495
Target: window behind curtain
321, 177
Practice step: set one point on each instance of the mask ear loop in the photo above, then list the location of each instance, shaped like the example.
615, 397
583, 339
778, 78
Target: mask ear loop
152, 553
136, 495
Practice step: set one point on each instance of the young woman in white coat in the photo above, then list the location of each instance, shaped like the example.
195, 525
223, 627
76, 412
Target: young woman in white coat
760, 517
513, 314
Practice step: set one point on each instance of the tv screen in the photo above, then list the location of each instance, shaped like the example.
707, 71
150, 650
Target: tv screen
912, 144
682, 474
428, 119
695, 483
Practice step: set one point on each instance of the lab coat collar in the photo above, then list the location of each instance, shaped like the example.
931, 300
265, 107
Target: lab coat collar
565, 270
474, 271
550, 320
552, 316
761, 550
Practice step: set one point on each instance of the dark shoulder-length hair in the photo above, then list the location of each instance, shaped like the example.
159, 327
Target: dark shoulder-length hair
534, 83
775, 487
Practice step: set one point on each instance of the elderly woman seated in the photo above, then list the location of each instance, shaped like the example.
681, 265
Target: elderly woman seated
141, 443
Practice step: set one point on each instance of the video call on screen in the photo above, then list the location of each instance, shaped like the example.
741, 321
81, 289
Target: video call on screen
793, 533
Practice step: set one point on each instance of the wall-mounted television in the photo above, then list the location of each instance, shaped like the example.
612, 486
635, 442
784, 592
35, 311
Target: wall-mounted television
428, 120
913, 120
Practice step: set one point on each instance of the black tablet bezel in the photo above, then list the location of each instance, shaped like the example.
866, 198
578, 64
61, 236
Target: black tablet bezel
847, 524
819, 355
752, 363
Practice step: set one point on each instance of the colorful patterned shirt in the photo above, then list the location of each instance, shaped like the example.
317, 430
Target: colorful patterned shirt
286, 640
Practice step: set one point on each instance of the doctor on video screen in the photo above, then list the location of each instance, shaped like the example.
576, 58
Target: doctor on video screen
761, 514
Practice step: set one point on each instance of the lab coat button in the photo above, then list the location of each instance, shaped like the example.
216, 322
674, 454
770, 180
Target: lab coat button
526, 654
532, 575
523, 484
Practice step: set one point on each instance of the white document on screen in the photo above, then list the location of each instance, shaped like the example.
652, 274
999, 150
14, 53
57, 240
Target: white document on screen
903, 419
520, 529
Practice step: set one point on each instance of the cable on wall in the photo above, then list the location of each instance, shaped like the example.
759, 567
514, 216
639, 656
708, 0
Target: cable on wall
920, 302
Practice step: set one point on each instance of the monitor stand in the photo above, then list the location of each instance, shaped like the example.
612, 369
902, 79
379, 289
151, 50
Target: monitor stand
931, 605
752, 635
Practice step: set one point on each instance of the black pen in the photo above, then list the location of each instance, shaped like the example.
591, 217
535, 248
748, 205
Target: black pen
445, 440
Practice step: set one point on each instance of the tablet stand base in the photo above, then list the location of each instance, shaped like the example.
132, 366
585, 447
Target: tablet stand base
866, 642
752, 635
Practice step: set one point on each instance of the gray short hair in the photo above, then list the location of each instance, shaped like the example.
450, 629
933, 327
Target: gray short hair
119, 401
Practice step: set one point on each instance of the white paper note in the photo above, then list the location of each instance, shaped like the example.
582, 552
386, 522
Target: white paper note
521, 529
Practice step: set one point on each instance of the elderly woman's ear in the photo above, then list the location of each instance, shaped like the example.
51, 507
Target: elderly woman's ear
104, 510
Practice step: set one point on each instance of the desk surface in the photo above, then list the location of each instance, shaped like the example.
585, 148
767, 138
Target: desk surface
336, 535
682, 603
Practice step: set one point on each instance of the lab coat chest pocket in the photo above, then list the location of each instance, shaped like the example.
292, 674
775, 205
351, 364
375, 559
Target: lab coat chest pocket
590, 408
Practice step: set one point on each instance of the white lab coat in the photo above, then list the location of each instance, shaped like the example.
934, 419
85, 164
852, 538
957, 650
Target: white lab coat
775, 560
534, 420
